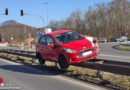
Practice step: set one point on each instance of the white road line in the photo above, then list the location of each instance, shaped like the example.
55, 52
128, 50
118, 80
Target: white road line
77, 82
113, 56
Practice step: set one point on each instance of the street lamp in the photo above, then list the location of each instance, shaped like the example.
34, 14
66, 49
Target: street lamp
46, 3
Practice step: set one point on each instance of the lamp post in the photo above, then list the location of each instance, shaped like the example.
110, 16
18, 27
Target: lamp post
46, 3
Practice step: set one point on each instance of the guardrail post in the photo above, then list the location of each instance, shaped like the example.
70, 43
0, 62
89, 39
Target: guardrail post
55, 64
17, 57
33, 60
99, 73
98, 69
7, 55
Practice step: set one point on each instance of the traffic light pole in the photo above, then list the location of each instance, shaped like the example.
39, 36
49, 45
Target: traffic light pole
32, 15
37, 16
25, 30
22, 14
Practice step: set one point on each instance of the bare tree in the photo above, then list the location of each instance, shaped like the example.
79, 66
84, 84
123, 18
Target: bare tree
109, 20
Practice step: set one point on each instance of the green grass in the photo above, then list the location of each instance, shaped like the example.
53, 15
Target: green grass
119, 82
120, 47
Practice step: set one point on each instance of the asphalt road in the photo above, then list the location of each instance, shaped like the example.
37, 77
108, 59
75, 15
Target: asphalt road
109, 52
28, 78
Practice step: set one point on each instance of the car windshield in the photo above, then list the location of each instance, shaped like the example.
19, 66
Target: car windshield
68, 37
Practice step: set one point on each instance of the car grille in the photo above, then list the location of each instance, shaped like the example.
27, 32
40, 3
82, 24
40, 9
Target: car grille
80, 53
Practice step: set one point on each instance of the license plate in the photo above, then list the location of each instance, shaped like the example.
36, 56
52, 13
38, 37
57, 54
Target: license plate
86, 53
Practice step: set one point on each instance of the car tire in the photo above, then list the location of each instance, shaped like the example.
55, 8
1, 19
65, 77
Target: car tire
62, 62
40, 59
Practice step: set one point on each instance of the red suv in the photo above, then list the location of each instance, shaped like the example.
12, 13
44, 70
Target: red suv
65, 47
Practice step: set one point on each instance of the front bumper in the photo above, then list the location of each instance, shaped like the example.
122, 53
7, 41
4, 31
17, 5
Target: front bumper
74, 58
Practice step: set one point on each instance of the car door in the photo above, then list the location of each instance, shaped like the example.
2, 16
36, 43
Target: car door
41, 46
51, 52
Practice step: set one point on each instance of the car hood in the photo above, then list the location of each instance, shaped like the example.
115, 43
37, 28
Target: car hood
79, 44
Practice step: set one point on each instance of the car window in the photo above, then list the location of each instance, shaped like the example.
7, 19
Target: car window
49, 40
68, 37
42, 40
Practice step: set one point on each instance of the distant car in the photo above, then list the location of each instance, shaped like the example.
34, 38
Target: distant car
112, 40
129, 39
121, 39
102, 40
65, 47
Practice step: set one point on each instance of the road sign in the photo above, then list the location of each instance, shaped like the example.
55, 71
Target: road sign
39, 34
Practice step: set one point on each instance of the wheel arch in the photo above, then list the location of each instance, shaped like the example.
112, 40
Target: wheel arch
66, 57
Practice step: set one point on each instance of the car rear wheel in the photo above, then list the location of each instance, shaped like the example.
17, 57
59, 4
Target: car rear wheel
62, 62
40, 59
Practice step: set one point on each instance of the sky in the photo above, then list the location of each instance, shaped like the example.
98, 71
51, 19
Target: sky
57, 10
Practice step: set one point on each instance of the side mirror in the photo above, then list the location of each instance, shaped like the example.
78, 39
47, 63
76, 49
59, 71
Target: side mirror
51, 45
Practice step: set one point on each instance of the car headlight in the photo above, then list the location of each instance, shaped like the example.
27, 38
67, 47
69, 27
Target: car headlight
69, 50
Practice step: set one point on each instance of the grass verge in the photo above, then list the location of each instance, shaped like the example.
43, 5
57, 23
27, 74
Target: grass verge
113, 81
121, 47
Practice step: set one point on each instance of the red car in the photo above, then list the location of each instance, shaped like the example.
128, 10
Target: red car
65, 47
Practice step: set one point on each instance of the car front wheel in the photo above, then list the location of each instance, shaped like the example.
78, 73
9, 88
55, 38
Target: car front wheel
62, 62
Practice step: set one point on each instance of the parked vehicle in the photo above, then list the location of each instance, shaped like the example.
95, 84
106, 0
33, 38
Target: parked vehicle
121, 39
112, 40
65, 47
102, 40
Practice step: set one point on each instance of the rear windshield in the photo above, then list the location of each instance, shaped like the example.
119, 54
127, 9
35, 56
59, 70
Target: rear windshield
67, 37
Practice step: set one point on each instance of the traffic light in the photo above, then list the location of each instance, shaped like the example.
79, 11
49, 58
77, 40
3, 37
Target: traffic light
6, 11
21, 12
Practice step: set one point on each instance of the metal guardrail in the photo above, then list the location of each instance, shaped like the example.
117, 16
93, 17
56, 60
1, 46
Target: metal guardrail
16, 52
24, 51
122, 68
112, 68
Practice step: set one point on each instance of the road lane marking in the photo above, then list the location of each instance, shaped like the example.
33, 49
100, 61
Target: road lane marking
67, 79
